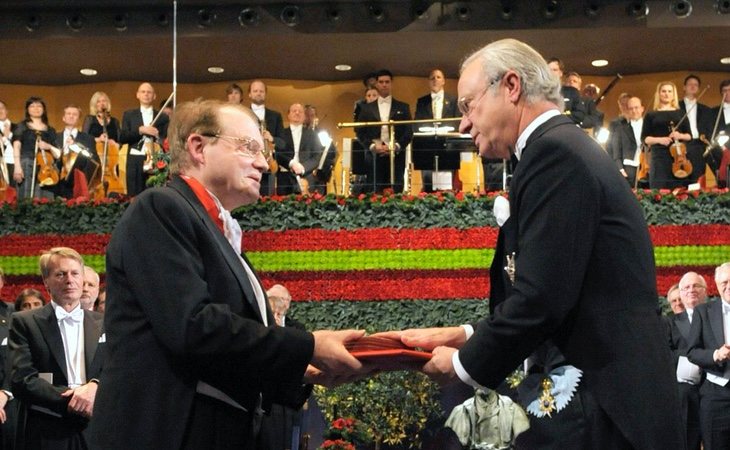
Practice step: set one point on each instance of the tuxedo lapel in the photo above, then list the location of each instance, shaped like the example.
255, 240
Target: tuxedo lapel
48, 325
92, 331
230, 257
714, 311
682, 321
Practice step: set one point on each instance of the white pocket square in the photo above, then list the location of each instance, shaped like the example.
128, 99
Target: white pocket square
102, 338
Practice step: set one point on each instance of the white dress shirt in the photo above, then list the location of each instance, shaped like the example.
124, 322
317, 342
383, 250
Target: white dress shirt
636, 126
691, 106
296, 135
71, 325
7, 142
259, 110
723, 380
437, 104
726, 112
384, 104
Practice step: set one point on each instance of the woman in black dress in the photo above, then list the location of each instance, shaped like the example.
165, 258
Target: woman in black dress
100, 108
33, 129
657, 133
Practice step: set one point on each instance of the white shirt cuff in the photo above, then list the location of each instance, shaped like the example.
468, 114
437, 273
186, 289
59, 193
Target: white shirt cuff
469, 330
462, 373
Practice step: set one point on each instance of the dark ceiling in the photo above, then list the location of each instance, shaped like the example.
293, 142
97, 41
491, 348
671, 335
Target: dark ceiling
133, 39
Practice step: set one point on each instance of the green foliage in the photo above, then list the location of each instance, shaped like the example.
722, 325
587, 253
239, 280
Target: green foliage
60, 216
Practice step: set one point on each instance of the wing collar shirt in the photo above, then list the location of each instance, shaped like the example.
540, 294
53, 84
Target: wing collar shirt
259, 110
723, 380
384, 104
519, 147
71, 325
437, 104
296, 135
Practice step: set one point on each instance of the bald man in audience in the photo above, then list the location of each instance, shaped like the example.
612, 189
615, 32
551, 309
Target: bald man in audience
90, 291
709, 348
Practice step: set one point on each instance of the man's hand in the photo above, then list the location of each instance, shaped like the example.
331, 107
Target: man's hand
3, 402
148, 130
82, 399
331, 356
723, 353
441, 368
297, 168
316, 376
430, 338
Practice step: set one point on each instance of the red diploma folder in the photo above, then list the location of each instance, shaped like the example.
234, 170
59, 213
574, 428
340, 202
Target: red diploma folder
387, 354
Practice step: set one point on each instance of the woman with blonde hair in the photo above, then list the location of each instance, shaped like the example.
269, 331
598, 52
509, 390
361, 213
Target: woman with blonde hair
100, 108
660, 131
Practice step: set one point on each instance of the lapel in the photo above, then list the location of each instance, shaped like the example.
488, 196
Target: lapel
682, 321
626, 127
47, 324
714, 312
92, 332
289, 139
229, 256
542, 129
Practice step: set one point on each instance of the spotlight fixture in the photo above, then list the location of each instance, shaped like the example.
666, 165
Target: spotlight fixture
290, 16
75, 21
419, 10
377, 13
599, 63
722, 6
120, 21
88, 72
333, 14
462, 12
681, 8
216, 69
205, 18
550, 9
592, 10
163, 20
249, 17
637, 9
506, 12
33, 22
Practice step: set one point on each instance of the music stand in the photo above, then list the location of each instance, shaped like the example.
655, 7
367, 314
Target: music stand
436, 151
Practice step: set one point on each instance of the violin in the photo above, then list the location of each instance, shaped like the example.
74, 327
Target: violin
47, 171
269, 150
149, 146
681, 166
642, 173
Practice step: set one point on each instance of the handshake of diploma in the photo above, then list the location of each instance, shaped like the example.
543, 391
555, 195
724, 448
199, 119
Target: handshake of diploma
349, 355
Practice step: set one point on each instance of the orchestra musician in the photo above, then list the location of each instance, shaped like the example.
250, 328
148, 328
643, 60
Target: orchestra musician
700, 118
34, 133
100, 108
660, 131
79, 160
272, 128
6, 142
139, 132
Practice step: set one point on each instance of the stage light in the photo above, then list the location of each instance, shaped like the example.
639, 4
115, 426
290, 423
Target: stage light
637, 9
290, 16
722, 6
592, 10
603, 135
550, 9
506, 13
333, 14
462, 12
420, 10
75, 21
88, 72
249, 17
599, 63
205, 18
216, 69
33, 22
681, 8
377, 13
120, 21
163, 20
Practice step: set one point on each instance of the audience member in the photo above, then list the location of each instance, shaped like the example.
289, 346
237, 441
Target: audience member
377, 138
141, 135
693, 292
272, 128
709, 348
625, 140
193, 362
28, 299
369, 82
34, 137
674, 300
100, 303
660, 130
700, 121
90, 291
56, 356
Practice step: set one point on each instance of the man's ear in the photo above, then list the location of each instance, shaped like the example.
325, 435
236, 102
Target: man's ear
195, 145
514, 85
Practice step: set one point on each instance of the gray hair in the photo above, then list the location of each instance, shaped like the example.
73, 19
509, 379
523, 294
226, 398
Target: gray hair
537, 81
721, 267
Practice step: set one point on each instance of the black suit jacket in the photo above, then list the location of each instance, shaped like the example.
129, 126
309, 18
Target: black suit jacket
181, 309
275, 125
398, 111
310, 150
424, 109
35, 347
622, 143
705, 336
721, 125
705, 119
575, 229
132, 120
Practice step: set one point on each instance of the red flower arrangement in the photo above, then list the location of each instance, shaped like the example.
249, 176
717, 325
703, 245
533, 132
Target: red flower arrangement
345, 434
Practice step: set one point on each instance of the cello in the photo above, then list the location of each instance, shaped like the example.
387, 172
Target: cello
109, 180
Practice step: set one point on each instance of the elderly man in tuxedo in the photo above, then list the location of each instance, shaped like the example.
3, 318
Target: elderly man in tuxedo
573, 228
57, 357
194, 353
709, 348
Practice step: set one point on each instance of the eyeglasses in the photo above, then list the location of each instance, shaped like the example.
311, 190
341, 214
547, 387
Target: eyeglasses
246, 146
692, 286
464, 103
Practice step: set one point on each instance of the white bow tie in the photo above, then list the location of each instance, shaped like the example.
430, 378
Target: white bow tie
383, 101
77, 315
725, 308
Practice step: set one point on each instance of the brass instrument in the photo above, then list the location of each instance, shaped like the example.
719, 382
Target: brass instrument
391, 134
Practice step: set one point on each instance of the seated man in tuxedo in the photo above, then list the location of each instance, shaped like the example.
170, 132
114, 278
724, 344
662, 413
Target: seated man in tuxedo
194, 356
675, 300
709, 347
377, 138
300, 155
57, 355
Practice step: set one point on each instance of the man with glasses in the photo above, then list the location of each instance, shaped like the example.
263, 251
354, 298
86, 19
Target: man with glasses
692, 292
572, 279
709, 348
194, 353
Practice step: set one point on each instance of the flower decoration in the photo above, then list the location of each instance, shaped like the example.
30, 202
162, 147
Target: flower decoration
345, 433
